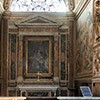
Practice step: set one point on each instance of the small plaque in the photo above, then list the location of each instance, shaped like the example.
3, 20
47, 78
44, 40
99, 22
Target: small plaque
86, 92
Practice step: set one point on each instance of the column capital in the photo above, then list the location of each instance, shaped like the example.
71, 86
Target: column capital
6, 14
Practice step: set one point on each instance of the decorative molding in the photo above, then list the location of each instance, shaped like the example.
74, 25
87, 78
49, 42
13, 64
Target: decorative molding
83, 75
89, 77
97, 20
80, 8
37, 21
96, 47
96, 63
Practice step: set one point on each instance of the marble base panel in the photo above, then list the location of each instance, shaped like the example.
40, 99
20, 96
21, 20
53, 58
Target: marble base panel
78, 98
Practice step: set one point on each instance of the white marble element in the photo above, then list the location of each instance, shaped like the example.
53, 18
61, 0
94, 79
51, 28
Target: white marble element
78, 98
12, 98
38, 87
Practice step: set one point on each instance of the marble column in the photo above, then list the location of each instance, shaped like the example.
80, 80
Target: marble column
20, 60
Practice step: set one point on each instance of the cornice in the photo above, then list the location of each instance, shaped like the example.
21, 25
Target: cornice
38, 21
81, 7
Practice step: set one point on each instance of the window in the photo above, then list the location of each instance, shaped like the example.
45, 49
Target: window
38, 6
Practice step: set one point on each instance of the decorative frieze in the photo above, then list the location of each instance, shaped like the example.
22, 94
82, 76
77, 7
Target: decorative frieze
97, 20
96, 48
38, 29
96, 70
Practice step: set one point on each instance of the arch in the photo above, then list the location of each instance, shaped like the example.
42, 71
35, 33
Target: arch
38, 6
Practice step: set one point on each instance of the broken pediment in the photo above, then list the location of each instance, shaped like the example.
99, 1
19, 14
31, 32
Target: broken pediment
38, 21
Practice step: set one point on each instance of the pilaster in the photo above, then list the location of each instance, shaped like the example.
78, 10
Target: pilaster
56, 66
5, 32
70, 18
96, 48
20, 61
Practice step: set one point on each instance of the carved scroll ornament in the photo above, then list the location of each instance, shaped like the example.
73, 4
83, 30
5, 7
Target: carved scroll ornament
97, 19
97, 61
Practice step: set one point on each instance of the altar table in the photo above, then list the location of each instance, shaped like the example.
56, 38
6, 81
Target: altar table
50, 88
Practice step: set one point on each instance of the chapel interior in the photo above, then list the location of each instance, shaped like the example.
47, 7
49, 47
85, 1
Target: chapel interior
49, 53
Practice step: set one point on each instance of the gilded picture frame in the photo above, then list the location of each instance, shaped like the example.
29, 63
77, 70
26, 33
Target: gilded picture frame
38, 56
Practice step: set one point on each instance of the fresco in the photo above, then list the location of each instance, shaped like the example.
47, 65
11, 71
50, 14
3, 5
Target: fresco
84, 42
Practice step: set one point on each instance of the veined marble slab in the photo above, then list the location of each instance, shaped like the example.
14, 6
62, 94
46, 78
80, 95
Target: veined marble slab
78, 98
38, 87
52, 88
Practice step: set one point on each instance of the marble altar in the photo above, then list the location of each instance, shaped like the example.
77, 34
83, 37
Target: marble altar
50, 88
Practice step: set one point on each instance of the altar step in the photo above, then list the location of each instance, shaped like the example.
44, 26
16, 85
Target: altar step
41, 98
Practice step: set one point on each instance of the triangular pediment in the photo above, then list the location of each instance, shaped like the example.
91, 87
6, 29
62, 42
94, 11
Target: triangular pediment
38, 21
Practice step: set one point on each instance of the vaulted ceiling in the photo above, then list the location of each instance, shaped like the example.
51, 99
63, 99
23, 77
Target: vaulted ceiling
71, 3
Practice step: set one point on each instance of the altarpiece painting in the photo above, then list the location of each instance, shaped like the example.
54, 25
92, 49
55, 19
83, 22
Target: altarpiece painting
38, 55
